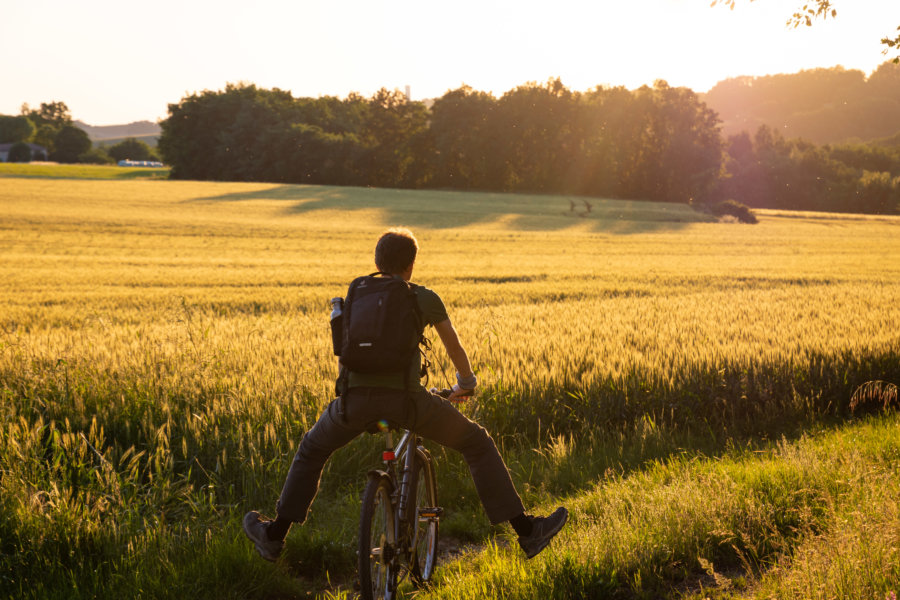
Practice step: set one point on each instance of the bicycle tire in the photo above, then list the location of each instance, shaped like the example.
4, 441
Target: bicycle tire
375, 563
424, 556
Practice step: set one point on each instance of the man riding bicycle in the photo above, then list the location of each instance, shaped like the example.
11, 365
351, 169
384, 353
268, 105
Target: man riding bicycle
401, 400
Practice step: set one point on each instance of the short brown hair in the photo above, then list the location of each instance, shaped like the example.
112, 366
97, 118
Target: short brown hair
396, 250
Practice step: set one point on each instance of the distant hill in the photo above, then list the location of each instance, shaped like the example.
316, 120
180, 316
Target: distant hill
823, 106
111, 134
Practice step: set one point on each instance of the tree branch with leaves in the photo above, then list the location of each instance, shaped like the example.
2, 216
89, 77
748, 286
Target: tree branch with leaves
821, 9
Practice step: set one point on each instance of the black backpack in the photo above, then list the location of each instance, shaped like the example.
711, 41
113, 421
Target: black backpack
382, 325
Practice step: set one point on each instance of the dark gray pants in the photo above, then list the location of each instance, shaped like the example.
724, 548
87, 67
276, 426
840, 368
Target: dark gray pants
428, 415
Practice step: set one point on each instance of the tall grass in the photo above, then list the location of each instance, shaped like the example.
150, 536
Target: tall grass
164, 347
812, 518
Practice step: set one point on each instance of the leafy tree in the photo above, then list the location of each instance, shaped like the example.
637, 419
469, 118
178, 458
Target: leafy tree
773, 172
95, 156
50, 119
307, 154
217, 135
675, 147
460, 135
877, 193
390, 125
865, 157
20, 152
131, 149
69, 144
536, 134
15, 129
815, 9
893, 43
45, 136
614, 121
744, 177
55, 114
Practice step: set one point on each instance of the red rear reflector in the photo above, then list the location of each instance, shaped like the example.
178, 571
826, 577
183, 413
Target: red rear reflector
388, 455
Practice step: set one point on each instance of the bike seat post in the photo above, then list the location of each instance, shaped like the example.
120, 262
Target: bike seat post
388, 454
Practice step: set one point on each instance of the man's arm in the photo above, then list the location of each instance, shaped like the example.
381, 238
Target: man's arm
457, 354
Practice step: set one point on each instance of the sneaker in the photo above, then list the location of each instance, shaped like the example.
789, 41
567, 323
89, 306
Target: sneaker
255, 528
542, 531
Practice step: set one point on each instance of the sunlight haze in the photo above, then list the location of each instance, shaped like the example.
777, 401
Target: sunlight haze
114, 62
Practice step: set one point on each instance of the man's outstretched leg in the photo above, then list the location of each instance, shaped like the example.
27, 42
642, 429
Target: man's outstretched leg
331, 431
439, 420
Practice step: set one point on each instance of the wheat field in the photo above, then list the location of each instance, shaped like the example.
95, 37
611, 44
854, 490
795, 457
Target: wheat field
164, 345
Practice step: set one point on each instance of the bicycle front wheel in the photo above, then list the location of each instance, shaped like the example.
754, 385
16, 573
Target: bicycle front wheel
427, 514
377, 546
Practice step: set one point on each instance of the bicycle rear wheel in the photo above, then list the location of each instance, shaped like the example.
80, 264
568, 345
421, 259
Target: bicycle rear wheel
427, 515
376, 554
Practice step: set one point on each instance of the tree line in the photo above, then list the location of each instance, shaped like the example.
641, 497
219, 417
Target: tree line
656, 143
653, 143
822, 106
50, 126
766, 170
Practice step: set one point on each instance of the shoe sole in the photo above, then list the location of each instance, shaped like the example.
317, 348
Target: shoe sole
264, 554
550, 535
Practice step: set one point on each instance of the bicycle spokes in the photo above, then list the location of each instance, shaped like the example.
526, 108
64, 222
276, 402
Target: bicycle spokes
377, 571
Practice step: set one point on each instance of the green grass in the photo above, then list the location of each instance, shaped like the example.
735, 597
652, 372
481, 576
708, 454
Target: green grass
163, 347
813, 517
54, 171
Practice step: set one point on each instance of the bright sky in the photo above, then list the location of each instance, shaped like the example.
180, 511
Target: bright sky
114, 62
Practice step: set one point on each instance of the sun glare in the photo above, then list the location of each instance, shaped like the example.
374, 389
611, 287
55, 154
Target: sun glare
316, 48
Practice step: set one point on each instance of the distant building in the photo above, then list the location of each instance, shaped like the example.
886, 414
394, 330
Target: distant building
36, 150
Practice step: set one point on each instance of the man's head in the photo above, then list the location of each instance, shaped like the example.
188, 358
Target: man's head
395, 251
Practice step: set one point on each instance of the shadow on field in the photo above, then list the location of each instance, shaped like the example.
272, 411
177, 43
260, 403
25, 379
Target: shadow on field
451, 209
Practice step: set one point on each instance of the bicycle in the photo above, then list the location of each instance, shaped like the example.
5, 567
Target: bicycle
398, 528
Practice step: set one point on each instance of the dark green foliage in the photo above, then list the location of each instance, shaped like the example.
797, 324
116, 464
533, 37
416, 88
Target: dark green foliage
55, 114
19, 153
15, 129
461, 155
655, 143
50, 120
769, 171
678, 151
131, 149
867, 157
878, 193
45, 136
69, 144
95, 156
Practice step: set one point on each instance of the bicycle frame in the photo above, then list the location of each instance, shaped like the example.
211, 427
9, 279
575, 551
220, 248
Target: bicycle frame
405, 450
409, 546
399, 518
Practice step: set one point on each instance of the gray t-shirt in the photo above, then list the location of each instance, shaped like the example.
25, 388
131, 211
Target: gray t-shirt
433, 312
